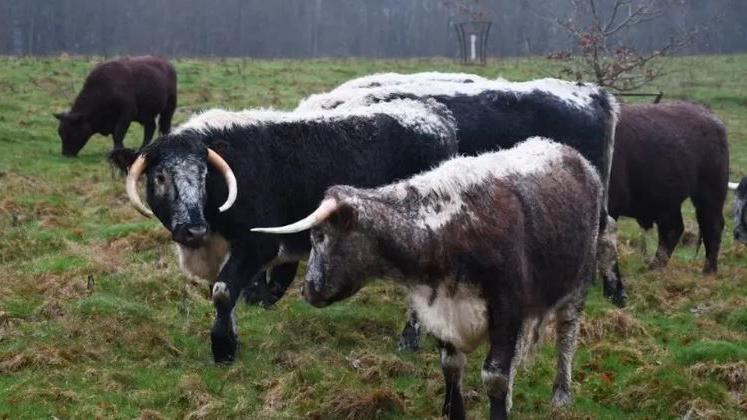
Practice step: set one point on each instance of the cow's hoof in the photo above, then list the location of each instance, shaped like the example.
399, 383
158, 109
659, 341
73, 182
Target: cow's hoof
264, 300
561, 395
615, 294
260, 295
619, 299
454, 409
561, 398
224, 346
408, 342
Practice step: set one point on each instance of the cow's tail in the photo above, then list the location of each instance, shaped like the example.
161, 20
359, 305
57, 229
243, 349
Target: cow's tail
611, 108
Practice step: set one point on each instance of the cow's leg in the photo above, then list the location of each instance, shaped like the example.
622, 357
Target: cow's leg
164, 119
266, 293
120, 130
409, 340
669, 227
148, 129
226, 290
607, 263
500, 365
711, 224
613, 287
452, 365
567, 320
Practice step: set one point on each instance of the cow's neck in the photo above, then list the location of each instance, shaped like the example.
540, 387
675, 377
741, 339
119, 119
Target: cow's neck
409, 247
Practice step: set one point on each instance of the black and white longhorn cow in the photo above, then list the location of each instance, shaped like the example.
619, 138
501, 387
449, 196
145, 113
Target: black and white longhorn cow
487, 247
277, 166
495, 114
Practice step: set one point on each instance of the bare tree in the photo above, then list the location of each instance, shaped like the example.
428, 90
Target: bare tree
598, 30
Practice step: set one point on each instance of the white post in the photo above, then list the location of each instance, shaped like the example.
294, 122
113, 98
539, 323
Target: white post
473, 47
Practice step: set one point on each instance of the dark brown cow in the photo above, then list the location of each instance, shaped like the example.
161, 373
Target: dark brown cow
116, 93
664, 154
487, 247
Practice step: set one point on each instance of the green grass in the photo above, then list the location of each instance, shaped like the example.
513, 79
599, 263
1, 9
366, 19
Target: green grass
134, 340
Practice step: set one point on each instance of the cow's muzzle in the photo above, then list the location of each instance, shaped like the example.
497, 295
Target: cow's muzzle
190, 234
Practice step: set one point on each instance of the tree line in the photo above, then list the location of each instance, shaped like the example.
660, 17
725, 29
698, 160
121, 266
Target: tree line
329, 28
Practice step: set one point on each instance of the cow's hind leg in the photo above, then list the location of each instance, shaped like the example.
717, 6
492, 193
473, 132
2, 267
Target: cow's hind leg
567, 321
607, 263
452, 365
669, 227
709, 213
409, 340
500, 366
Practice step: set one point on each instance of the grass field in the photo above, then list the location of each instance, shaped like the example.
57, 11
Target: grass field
96, 320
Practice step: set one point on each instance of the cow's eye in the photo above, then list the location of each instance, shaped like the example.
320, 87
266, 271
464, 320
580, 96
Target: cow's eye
160, 179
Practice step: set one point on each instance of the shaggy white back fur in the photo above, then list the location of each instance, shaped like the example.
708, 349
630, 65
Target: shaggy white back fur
574, 94
428, 117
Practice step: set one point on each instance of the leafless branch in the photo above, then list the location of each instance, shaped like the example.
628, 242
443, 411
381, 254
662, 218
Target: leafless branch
620, 68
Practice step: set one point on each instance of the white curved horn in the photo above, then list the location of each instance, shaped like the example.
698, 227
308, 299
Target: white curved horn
325, 209
133, 175
230, 178
733, 186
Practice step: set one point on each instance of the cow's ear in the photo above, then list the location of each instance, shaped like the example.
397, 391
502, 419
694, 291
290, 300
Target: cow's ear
345, 218
60, 115
122, 159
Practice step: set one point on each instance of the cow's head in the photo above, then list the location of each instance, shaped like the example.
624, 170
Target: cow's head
740, 212
345, 252
74, 130
175, 170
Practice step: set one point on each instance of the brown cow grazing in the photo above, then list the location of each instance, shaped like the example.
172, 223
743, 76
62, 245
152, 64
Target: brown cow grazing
116, 93
664, 154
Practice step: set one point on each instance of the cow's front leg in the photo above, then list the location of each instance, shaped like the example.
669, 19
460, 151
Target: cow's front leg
452, 365
226, 290
120, 130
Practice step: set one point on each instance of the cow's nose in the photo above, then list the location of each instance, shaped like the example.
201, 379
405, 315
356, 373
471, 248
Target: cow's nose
190, 235
198, 231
